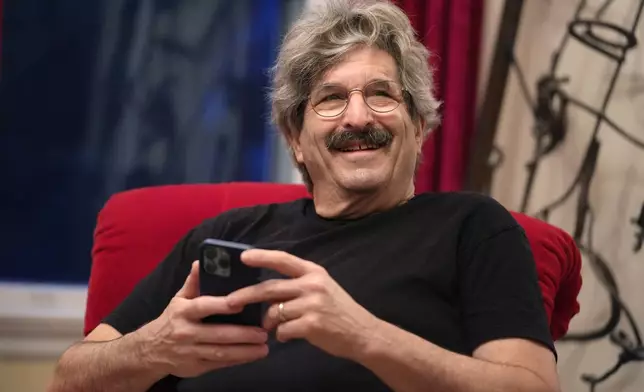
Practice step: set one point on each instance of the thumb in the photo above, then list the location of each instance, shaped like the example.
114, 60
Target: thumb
190, 287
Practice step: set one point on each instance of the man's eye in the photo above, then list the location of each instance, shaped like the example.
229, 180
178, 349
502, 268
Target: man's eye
331, 97
382, 93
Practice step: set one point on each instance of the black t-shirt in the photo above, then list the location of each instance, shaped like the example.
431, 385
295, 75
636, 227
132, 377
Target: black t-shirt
453, 268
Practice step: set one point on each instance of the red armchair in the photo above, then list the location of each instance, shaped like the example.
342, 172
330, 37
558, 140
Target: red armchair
137, 228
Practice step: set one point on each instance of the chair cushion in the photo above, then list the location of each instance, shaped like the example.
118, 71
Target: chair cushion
136, 229
558, 262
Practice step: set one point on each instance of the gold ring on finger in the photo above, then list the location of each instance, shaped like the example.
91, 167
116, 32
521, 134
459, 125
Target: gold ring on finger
280, 312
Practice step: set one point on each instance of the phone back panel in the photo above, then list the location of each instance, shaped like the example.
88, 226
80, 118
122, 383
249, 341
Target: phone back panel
220, 278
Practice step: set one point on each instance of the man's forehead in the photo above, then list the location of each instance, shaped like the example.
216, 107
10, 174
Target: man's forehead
367, 81
360, 67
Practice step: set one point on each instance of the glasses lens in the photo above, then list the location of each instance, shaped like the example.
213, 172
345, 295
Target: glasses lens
382, 96
329, 101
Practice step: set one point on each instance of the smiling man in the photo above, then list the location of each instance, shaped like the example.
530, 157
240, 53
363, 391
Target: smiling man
369, 287
354, 145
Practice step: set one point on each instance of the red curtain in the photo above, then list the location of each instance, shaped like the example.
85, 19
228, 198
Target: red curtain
451, 30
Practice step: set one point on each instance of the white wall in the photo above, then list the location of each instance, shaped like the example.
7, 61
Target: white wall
25, 375
37, 323
618, 186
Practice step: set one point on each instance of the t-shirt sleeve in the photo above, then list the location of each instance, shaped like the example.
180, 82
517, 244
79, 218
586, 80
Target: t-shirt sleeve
152, 294
498, 283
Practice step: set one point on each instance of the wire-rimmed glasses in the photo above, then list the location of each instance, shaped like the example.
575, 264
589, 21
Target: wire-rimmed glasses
381, 96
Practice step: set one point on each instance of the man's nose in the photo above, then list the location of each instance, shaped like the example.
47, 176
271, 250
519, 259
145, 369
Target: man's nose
358, 114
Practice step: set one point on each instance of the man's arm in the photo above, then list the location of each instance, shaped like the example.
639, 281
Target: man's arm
108, 357
105, 361
408, 363
175, 343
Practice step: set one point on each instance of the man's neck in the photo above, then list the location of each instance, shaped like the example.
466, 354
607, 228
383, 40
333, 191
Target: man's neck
341, 204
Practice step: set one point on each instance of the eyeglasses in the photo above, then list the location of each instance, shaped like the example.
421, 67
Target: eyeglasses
381, 96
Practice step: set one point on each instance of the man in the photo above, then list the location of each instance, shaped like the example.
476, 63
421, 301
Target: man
373, 288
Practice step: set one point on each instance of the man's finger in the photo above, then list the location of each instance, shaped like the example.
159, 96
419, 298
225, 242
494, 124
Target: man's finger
294, 329
190, 287
282, 262
228, 334
274, 290
200, 307
291, 310
231, 353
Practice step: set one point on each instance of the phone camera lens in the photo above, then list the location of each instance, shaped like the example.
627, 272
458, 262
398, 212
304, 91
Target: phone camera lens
211, 254
224, 260
217, 262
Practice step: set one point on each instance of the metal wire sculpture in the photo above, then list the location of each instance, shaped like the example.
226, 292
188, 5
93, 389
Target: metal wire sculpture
550, 110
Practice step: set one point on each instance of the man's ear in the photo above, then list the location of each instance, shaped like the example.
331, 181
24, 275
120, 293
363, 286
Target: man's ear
293, 140
419, 133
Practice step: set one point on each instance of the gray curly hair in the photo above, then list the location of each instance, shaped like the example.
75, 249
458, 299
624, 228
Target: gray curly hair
324, 35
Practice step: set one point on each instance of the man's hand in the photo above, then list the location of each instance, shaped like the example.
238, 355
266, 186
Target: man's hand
178, 343
310, 306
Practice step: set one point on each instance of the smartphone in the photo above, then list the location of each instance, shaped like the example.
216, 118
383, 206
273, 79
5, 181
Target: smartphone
221, 272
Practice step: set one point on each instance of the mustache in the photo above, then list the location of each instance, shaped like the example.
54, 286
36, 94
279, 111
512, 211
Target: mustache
371, 135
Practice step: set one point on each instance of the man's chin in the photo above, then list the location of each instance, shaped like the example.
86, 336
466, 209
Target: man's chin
363, 180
